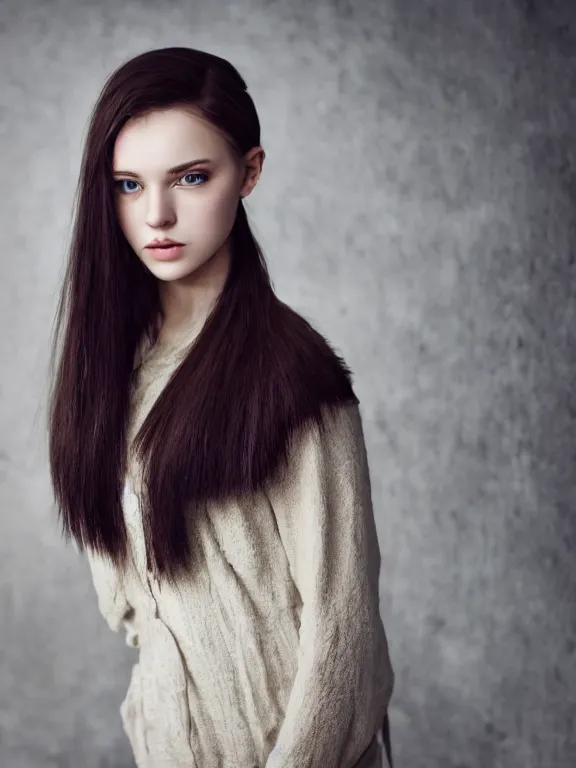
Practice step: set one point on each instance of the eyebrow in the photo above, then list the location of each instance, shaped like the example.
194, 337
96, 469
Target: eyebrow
170, 171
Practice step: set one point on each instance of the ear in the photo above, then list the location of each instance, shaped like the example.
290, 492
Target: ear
254, 160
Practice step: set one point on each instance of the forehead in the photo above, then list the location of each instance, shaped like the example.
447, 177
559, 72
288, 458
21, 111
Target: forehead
163, 138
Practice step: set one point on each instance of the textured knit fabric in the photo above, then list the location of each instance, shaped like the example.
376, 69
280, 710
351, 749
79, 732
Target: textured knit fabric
274, 654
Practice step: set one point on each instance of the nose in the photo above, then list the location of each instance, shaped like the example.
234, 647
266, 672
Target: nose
160, 210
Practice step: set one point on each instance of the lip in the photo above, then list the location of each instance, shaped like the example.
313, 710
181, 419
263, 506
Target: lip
166, 253
162, 243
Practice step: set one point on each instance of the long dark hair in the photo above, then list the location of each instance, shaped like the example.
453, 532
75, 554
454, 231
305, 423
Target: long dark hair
257, 371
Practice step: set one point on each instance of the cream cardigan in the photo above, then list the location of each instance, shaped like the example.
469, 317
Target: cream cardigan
275, 656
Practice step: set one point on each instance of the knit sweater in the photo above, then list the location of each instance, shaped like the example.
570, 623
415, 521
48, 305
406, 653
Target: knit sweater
274, 655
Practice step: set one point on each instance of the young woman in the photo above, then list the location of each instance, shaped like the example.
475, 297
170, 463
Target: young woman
207, 449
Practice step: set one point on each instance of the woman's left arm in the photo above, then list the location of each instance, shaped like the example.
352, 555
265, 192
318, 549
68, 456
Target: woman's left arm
112, 601
344, 680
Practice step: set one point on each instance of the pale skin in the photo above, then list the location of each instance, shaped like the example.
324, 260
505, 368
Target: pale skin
195, 206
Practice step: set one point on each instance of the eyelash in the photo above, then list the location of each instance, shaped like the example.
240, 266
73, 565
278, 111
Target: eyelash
119, 182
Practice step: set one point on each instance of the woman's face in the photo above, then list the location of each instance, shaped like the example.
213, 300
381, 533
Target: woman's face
195, 205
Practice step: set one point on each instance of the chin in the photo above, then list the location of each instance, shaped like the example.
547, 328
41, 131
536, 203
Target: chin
172, 270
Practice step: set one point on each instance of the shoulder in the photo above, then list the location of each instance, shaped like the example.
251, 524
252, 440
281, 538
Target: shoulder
329, 446
306, 364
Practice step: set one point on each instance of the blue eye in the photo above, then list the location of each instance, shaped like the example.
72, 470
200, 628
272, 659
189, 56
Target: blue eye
194, 173
119, 182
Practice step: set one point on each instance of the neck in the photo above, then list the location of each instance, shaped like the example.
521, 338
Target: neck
186, 303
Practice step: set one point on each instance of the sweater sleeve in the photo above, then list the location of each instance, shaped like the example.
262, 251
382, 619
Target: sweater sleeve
112, 601
344, 678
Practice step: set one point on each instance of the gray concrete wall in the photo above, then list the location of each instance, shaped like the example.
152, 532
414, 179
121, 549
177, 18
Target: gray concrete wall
417, 204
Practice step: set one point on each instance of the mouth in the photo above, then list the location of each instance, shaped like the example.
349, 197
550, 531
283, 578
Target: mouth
164, 245
165, 252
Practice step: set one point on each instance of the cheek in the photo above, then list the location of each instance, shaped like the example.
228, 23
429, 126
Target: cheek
215, 211
125, 220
